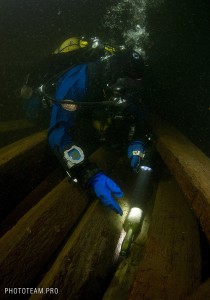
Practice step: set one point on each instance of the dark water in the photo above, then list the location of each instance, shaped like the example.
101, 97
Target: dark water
31, 29
180, 62
174, 38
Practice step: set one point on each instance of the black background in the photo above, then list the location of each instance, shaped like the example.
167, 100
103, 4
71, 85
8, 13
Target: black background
178, 77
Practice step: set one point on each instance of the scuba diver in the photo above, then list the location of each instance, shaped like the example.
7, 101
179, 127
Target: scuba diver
86, 75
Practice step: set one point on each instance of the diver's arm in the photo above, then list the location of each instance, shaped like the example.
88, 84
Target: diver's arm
140, 140
71, 156
139, 123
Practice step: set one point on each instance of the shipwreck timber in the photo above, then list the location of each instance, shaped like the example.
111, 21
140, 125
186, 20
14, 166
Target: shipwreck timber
55, 235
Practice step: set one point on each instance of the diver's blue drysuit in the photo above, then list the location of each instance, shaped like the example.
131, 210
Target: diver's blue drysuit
72, 85
75, 85
86, 82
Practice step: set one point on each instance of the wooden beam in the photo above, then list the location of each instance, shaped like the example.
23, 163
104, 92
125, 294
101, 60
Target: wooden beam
27, 247
32, 199
15, 130
31, 243
201, 293
171, 264
86, 261
125, 274
15, 125
16, 149
190, 166
23, 165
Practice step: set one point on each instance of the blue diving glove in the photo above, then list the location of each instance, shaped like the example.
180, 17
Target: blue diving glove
104, 187
136, 152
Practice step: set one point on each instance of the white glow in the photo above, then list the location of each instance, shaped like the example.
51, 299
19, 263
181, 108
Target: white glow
41, 88
95, 43
145, 168
135, 215
125, 208
119, 244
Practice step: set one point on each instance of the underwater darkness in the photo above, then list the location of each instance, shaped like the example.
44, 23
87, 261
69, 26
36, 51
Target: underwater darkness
180, 63
172, 35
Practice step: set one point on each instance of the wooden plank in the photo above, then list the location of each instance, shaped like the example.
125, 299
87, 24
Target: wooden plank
85, 263
13, 131
171, 265
20, 147
190, 166
23, 165
201, 293
15, 125
30, 244
26, 248
82, 266
125, 274
32, 199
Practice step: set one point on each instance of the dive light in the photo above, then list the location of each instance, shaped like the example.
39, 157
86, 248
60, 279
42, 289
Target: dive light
131, 226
